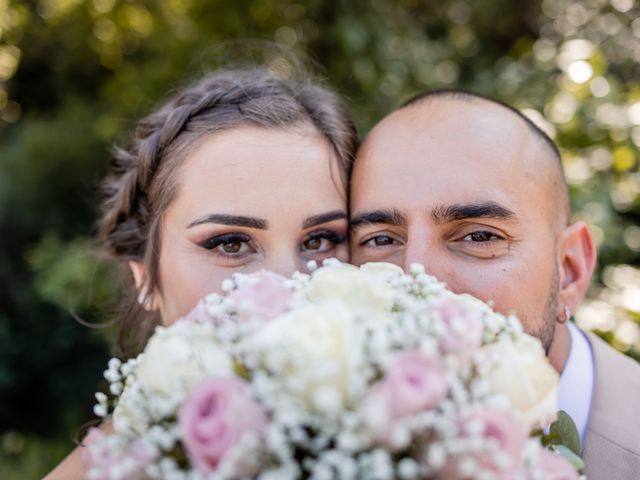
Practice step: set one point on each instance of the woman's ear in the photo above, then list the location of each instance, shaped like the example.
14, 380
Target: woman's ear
145, 299
577, 262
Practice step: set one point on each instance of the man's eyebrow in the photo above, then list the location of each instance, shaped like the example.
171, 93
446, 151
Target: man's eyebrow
233, 220
323, 218
388, 217
455, 212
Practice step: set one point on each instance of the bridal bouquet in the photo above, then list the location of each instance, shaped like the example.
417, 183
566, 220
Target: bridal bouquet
347, 373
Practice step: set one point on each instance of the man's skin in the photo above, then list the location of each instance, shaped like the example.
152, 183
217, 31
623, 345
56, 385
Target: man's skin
466, 187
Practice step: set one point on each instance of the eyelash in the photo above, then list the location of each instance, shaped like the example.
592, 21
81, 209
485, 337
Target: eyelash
214, 242
365, 242
493, 238
334, 237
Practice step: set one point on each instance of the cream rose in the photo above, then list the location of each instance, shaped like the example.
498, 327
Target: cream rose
381, 270
183, 357
520, 371
365, 291
314, 351
127, 418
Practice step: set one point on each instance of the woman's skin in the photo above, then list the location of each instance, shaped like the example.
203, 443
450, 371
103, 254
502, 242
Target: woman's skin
248, 199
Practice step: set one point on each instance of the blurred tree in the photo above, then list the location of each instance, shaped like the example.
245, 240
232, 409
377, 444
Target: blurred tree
75, 74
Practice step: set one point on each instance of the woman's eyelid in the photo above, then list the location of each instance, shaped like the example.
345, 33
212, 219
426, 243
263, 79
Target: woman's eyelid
326, 233
216, 240
330, 235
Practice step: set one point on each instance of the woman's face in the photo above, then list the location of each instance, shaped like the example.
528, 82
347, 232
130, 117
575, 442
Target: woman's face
249, 199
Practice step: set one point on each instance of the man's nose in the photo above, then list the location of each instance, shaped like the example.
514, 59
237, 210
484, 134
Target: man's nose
422, 248
416, 251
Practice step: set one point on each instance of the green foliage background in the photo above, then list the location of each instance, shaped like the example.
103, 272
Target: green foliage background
74, 75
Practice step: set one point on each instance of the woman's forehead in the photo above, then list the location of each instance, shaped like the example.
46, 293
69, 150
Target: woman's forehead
260, 172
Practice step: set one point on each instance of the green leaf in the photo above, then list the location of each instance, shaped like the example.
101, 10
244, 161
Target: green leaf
564, 432
568, 455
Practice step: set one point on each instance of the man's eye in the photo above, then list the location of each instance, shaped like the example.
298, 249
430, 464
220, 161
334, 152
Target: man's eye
481, 236
379, 241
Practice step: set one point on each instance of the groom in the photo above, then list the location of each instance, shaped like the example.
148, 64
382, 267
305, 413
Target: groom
473, 190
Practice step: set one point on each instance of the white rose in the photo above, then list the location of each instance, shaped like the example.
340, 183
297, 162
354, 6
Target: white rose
382, 270
364, 291
315, 352
520, 371
181, 355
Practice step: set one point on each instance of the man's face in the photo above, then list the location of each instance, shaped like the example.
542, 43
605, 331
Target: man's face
467, 190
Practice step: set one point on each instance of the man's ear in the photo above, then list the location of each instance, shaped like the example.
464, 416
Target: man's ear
577, 262
145, 299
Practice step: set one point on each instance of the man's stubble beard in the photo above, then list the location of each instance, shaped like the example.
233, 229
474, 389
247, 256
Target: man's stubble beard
547, 329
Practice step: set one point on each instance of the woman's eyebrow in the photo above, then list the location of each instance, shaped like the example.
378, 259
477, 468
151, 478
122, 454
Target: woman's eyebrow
233, 220
323, 218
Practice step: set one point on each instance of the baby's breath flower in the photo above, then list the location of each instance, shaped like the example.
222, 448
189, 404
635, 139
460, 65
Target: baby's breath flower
311, 370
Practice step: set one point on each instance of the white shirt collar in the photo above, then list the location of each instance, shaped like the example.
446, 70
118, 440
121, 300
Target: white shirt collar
576, 381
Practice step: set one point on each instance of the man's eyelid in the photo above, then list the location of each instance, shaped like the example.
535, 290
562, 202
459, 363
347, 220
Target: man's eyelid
469, 227
372, 236
493, 238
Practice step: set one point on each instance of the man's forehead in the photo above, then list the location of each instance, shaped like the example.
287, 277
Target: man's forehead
451, 152
476, 123
446, 139
435, 148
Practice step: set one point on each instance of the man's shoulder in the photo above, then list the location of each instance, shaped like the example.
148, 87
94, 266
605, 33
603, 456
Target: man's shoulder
616, 387
614, 420
613, 369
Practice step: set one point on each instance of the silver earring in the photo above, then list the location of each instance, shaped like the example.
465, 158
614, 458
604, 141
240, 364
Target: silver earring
567, 315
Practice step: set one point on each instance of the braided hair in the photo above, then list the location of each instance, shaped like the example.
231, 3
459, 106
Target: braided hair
142, 182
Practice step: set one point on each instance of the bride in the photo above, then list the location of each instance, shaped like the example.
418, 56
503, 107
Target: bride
238, 172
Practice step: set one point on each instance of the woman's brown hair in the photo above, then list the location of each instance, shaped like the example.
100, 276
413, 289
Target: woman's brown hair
142, 183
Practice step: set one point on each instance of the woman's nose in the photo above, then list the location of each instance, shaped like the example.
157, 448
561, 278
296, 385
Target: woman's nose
283, 261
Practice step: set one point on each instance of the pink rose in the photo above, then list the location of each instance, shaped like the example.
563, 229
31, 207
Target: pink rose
215, 419
413, 383
463, 327
553, 467
503, 436
262, 293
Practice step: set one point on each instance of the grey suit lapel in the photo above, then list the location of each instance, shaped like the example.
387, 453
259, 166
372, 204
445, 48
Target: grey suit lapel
612, 441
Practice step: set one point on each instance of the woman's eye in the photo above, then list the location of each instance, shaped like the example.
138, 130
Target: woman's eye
481, 236
380, 241
230, 244
314, 243
232, 247
322, 241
